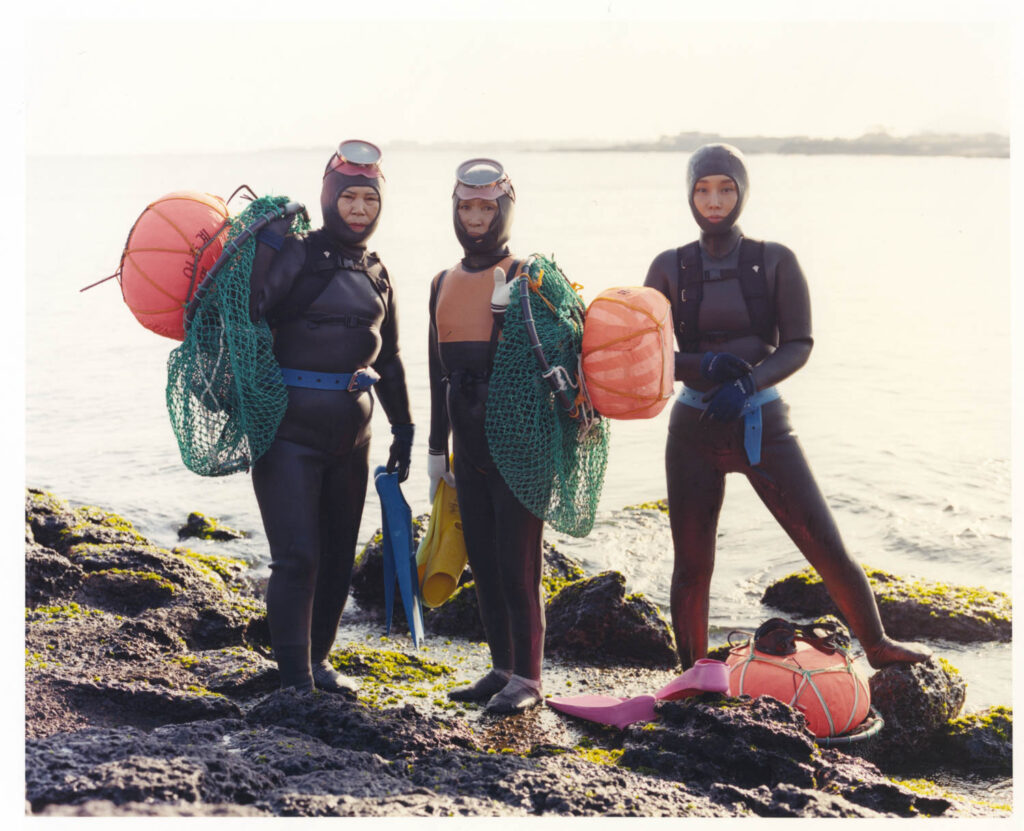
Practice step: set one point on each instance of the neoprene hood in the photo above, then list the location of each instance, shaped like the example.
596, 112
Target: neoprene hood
496, 237
717, 160
334, 183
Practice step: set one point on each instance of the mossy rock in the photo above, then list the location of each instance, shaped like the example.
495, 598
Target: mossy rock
982, 741
917, 702
208, 528
386, 666
910, 609
458, 616
593, 619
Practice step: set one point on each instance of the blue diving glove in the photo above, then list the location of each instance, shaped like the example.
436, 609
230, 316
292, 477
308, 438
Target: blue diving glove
723, 366
400, 455
726, 403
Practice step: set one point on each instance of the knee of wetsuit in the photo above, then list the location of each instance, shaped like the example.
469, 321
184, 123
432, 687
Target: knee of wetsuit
297, 565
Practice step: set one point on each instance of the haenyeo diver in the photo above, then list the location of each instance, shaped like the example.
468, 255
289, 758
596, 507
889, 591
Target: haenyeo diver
503, 539
332, 307
742, 319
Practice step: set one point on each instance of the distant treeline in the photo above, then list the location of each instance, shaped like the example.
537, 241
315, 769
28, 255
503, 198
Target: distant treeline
922, 144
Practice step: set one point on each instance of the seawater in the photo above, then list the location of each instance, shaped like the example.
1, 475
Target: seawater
903, 409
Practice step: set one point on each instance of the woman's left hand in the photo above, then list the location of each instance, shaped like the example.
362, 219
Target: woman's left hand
727, 402
400, 456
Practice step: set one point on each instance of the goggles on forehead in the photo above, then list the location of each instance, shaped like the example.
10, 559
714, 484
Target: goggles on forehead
356, 158
482, 179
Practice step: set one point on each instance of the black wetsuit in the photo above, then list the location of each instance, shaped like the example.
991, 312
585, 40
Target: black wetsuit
503, 539
311, 483
700, 451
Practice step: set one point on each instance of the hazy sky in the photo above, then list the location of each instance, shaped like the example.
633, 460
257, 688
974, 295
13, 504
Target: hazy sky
106, 78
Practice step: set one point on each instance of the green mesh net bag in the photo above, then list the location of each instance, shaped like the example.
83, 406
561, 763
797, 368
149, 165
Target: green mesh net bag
549, 445
224, 393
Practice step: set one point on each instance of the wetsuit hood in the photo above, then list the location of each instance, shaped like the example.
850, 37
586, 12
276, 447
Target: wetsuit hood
494, 240
335, 181
717, 160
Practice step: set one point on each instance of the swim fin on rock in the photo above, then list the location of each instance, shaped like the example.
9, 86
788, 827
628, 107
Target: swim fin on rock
706, 675
441, 556
398, 559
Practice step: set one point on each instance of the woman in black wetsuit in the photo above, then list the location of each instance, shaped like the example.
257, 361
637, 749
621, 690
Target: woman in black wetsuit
333, 310
742, 320
503, 539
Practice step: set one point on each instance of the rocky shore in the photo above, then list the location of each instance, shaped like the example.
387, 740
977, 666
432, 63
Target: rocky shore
150, 691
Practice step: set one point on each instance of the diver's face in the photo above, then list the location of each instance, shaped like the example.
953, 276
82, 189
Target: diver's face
358, 206
476, 215
714, 197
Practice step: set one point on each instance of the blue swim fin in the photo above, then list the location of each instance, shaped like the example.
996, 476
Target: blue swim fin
399, 556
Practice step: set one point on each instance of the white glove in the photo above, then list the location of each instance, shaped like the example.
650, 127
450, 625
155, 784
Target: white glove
437, 469
502, 292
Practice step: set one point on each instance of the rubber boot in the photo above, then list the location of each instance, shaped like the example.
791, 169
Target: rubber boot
484, 688
328, 679
293, 666
518, 696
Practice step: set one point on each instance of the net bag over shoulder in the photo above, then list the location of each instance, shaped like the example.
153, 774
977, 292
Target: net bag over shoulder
541, 430
225, 394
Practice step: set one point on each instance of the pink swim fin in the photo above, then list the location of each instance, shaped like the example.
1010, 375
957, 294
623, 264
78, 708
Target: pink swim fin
706, 675
606, 709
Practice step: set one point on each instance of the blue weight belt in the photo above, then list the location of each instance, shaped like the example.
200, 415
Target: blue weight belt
751, 413
361, 379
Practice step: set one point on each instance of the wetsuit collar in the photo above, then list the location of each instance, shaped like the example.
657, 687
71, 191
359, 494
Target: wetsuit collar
484, 259
348, 250
718, 245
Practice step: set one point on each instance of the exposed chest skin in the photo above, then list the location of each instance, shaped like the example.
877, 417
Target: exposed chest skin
463, 318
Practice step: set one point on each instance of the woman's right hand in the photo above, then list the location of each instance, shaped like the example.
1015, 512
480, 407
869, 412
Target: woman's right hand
723, 366
437, 469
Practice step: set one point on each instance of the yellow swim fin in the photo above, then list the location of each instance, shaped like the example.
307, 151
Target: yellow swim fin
441, 556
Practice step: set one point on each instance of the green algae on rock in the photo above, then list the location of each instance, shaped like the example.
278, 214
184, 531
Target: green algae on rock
208, 528
910, 609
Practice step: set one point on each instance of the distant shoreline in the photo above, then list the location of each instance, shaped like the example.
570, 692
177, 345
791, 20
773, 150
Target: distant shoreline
981, 145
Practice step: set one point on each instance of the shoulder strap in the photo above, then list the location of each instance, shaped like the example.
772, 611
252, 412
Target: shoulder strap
687, 290
754, 284
309, 285
379, 278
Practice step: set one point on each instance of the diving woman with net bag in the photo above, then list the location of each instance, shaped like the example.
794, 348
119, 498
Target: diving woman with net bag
332, 308
503, 538
518, 458
742, 319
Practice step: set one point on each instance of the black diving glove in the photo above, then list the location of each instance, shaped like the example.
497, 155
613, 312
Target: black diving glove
400, 455
273, 233
723, 366
726, 403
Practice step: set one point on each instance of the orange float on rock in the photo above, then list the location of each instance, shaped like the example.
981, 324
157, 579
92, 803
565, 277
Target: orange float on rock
628, 356
831, 693
169, 250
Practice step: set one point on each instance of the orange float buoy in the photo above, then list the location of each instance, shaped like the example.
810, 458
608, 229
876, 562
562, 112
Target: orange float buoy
628, 360
169, 250
831, 693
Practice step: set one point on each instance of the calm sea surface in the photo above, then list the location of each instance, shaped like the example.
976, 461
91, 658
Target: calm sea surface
903, 409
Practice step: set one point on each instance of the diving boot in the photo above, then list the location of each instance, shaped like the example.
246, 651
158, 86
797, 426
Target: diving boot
518, 696
328, 679
484, 688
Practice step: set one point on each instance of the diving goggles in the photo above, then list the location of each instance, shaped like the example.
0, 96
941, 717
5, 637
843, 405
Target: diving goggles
482, 179
778, 637
355, 157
